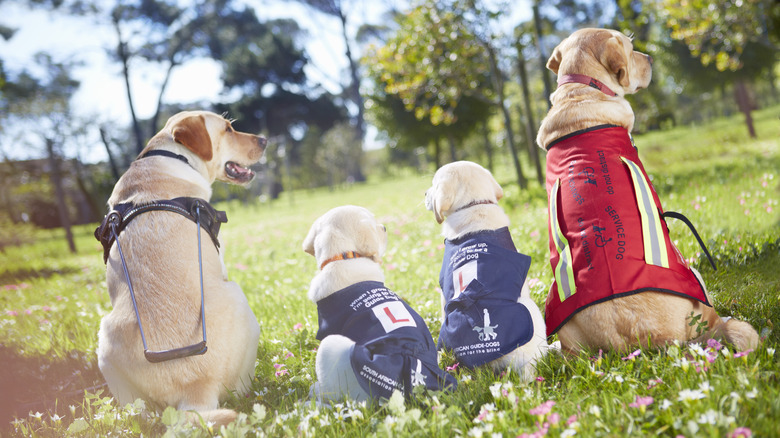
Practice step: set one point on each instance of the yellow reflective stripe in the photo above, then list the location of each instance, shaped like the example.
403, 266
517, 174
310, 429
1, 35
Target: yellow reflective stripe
652, 231
564, 272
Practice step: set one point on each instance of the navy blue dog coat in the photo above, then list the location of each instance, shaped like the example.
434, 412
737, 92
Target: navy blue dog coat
482, 275
393, 347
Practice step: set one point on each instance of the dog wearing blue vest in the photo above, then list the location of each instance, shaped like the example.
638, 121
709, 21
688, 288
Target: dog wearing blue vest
488, 314
373, 343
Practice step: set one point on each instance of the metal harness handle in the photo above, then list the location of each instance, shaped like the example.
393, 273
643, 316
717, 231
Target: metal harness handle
114, 220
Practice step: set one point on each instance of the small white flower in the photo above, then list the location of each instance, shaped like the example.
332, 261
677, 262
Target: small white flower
476, 432
568, 432
495, 389
664, 405
709, 417
595, 410
753, 393
696, 349
735, 395
705, 386
690, 394
37, 415
770, 351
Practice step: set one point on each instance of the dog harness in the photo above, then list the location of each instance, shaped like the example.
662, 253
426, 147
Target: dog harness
481, 278
393, 346
191, 208
194, 209
608, 237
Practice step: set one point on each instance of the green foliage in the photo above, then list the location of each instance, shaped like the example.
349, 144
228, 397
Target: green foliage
431, 64
718, 33
727, 186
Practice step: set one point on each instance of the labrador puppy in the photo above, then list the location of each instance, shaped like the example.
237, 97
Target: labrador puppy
194, 149
373, 343
619, 279
488, 314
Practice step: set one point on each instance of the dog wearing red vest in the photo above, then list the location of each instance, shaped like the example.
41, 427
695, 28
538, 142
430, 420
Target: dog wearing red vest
619, 280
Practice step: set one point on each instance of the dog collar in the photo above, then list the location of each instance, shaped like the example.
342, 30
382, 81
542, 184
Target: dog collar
343, 256
587, 80
164, 153
474, 204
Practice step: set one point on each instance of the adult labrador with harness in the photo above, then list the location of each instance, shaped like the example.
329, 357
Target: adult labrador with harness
619, 279
179, 334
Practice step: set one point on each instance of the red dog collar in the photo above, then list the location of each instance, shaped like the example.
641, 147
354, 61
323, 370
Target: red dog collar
587, 80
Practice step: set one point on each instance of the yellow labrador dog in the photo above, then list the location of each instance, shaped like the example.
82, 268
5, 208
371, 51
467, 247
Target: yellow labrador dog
373, 343
619, 279
160, 247
488, 314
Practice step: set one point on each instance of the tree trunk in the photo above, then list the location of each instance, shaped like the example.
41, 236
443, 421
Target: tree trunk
530, 131
354, 91
121, 51
488, 146
498, 82
745, 105
59, 193
111, 159
93, 215
542, 55
153, 123
436, 153
453, 151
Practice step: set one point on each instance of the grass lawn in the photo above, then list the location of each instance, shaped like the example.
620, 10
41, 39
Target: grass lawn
729, 187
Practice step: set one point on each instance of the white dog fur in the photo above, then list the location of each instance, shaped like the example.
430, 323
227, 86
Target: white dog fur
456, 185
161, 250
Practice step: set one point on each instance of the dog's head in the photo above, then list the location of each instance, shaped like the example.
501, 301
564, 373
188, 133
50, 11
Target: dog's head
343, 229
459, 184
226, 153
603, 54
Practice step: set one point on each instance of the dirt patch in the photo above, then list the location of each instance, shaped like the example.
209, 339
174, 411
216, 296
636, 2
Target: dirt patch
42, 384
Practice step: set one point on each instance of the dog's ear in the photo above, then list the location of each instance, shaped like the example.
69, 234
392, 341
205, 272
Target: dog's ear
192, 133
555, 59
308, 242
497, 187
614, 58
442, 199
371, 239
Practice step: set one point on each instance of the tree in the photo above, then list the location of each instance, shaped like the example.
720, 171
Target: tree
436, 70
336, 8
724, 35
41, 107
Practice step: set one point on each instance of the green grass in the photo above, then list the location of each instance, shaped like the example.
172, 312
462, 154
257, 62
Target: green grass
726, 184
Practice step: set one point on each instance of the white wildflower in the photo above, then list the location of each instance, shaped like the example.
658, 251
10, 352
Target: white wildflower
705, 386
753, 393
709, 417
595, 410
664, 405
690, 394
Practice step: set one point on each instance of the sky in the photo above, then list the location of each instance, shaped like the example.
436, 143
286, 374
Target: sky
102, 93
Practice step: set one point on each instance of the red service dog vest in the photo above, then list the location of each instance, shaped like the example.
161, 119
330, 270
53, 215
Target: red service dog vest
607, 236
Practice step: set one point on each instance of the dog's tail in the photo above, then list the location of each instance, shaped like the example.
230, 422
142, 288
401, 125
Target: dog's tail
738, 333
215, 417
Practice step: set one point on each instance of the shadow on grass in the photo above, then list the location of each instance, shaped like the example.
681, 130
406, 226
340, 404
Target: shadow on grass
20, 275
40, 384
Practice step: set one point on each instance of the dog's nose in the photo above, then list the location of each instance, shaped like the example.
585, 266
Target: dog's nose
650, 59
262, 142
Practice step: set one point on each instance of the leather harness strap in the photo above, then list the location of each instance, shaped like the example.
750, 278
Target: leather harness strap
122, 214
